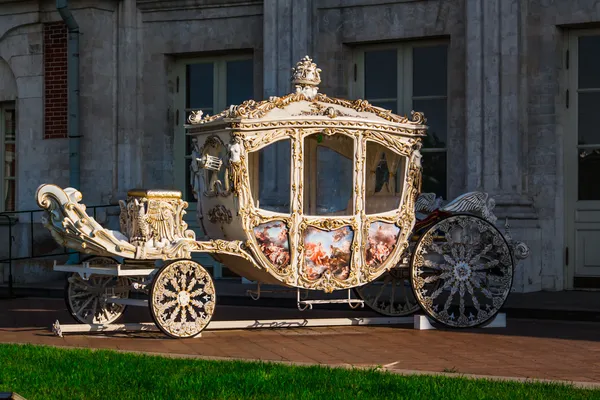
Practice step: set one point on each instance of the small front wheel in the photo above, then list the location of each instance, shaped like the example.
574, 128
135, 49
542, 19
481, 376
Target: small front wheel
182, 299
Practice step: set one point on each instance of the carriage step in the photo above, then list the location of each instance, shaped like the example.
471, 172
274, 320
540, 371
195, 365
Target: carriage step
128, 302
308, 304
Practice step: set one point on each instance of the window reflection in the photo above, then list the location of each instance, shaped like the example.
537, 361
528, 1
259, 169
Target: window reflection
384, 179
272, 185
589, 165
328, 175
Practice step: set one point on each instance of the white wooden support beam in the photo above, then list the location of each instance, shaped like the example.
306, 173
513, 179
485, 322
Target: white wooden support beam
59, 329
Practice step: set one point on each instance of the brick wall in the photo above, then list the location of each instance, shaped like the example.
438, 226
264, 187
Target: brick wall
55, 80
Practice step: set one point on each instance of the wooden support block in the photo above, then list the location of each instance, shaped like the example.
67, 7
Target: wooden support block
422, 322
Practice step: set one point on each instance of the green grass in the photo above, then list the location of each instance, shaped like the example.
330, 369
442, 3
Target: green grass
39, 372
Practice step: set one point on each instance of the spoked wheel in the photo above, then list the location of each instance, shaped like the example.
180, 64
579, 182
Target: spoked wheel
182, 299
390, 294
462, 271
87, 299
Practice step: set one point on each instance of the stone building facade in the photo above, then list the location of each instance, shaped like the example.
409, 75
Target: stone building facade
511, 89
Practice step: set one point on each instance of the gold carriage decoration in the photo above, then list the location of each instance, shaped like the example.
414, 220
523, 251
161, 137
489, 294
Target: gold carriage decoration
383, 237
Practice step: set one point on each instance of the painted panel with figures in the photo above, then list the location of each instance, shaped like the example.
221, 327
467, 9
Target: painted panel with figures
328, 251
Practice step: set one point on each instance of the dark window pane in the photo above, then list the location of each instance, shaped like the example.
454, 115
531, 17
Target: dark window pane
9, 125
434, 173
240, 82
388, 105
436, 114
430, 65
589, 118
200, 82
589, 167
589, 61
188, 193
381, 74
274, 177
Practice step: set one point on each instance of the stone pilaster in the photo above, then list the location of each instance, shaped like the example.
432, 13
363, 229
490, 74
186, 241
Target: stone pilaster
129, 114
287, 31
496, 100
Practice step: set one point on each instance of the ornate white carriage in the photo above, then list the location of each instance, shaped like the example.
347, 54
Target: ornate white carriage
321, 216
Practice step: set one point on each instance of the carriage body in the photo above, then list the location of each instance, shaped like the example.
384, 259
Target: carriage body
327, 149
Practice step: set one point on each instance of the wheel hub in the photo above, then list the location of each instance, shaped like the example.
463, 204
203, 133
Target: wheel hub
462, 271
183, 298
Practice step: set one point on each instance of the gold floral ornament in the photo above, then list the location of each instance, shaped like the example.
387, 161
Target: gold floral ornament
306, 77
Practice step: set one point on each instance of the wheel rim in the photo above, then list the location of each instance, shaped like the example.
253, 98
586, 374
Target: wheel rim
462, 271
86, 299
182, 299
390, 294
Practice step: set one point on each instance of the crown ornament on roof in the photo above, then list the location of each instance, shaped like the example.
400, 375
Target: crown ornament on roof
306, 77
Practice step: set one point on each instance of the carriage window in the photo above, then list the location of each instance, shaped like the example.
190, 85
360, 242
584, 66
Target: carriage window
328, 175
385, 171
271, 188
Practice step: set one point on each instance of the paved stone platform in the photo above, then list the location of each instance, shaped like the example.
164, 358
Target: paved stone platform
525, 349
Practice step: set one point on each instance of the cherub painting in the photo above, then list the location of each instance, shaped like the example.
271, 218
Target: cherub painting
381, 241
272, 237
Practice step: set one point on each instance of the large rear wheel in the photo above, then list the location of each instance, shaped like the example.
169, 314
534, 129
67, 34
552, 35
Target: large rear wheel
462, 271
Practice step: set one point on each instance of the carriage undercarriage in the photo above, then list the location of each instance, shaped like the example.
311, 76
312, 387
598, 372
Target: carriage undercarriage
98, 290
367, 232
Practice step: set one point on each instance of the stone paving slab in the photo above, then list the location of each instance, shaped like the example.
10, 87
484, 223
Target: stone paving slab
552, 350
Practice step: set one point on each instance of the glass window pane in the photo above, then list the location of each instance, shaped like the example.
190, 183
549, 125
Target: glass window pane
589, 166
9, 125
381, 74
388, 105
10, 160
589, 61
328, 175
589, 118
240, 82
200, 82
10, 195
274, 163
436, 114
430, 65
383, 167
434, 173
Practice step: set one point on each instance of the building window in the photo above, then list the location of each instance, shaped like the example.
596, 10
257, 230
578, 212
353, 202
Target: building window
210, 85
406, 77
8, 155
587, 102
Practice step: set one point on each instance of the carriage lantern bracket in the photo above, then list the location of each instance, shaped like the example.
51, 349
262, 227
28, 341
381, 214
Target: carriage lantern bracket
209, 162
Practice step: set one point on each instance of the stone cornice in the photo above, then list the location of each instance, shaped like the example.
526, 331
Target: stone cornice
171, 5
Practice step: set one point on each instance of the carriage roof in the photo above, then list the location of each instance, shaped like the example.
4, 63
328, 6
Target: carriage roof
307, 108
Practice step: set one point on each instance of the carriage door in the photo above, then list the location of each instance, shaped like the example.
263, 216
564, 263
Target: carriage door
582, 160
327, 232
